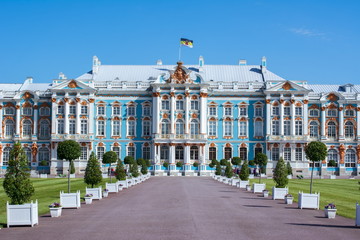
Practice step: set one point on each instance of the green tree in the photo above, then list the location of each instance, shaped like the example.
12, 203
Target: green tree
140, 162
218, 169
68, 150
280, 174
332, 163
244, 172
134, 170
109, 158
17, 184
144, 169
93, 174
315, 152
72, 167
261, 160
120, 171
129, 160
236, 161
229, 171
195, 164
223, 162
179, 164
289, 168
252, 163
166, 165
148, 163
213, 163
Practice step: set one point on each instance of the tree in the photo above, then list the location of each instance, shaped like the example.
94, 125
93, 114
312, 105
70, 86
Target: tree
280, 174
68, 150
166, 165
134, 170
140, 161
229, 171
260, 160
144, 169
236, 161
252, 163
120, 171
218, 169
148, 163
179, 164
129, 160
244, 172
195, 164
223, 162
332, 163
109, 158
289, 168
213, 163
93, 175
17, 184
315, 152
72, 167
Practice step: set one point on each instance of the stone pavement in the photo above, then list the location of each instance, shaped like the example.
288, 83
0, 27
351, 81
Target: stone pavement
186, 208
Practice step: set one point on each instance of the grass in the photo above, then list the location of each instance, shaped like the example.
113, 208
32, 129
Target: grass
344, 193
47, 191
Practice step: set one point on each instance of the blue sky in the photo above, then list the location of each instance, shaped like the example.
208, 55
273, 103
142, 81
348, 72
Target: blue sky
316, 41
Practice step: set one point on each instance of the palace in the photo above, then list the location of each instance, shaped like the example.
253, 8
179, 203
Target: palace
187, 113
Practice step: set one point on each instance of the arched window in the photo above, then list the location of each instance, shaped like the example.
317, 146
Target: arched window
131, 151
332, 155
117, 151
6, 156
146, 128
179, 127
44, 131
44, 111
9, 128
350, 158
26, 131
243, 153
100, 153
212, 153
179, 153
83, 155
165, 126
275, 128
194, 153
257, 150
116, 128
331, 130
228, 153
227, 128
164, 152
44, 155
275, 154
349, 129
314, 129
194, 127
27, 151
212, 128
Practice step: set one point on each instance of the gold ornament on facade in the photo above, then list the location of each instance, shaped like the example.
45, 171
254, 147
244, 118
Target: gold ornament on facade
314, 106
179, 116
287, 145
187, 94
27, 95
203, 95
72, 84
194, 115
91, 100
358, 153
267, 101
298, 104
286, 86
36, 107
292, 101
66, 99
332, 97
77, 99
101, 144
34, 150
53, 100
172, 94
179, 76
281, 101
305, 101
165, 115
131, 144
323, 108
341, 108
17, 106
156, 94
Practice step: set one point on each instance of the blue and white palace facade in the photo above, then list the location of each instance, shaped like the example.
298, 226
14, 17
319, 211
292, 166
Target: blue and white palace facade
187, 113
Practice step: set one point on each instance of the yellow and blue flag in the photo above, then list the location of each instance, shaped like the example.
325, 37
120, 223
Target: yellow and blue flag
186, 42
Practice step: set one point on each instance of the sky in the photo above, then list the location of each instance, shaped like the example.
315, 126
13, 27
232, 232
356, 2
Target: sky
317, 41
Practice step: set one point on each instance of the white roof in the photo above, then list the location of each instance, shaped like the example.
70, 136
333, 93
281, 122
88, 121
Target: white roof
319, 88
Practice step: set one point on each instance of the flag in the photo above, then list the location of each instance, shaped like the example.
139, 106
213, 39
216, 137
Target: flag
186, 42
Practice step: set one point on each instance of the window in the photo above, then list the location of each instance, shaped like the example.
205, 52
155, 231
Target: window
349, 113
60, 126
117, 151
27, 111
28, 154
243, 129
194, 105
100, 153
287, 154
350, 158
72, 127
298, 111
116, 110
131, 111
349, 129
258, 111
212, 128
194, 127
165, 104
314, 113
9, 128
258, 129
179, 153
194, 153
298, 154
287, 128
6, 156
332, 155
83, 155
164, 152
101, 110
243, 153
179, 127
116, 128
44, 111
212, 153
44, 131
275, 128
44, 155
179, 105
83, 127
9, 111
228, 111
298, 128
314, 129
286, 111
257, 150
227, 129
275, 111
242, 111
60, 109
131, 128
275, 154
101, 128
332, 113
331, 130
165, 126
131, 151
146, 110
72, 110
212, 111
27, 128
146, 128
228, 153
84, 110
146, 152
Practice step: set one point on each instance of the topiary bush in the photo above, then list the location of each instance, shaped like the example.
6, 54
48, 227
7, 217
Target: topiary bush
218, 169
129, 160
289, 168
252, 163
332, 163
236, 161
72, 167
229, 171
280, 174
93, 175
134, 170
144, 169
244, 172
120, 173
223, 162
140, 162
179, 164
213, 163
166, 165
195, 164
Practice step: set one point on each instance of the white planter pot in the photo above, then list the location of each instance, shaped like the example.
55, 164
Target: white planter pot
357, 214
332, 176
248, 188
242, 184
96, 192
70, 200
258, 187
289, 200
265, 193
279, 193
307, 200
234, 182
330, 213
88, 200
123, 183
24, 214
55, 212
112, 187
72, 175
289, 176
105, 194
43, 175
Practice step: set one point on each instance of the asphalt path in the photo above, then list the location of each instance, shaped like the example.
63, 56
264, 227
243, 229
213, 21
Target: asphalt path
186, 208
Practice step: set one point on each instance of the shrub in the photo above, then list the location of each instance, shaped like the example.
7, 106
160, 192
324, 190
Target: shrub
213, 163
280, 174
244, 172
252, 163
17, 184
315, 152
179, 164
92, 171
229, 171
195, 164
147, 162
236, 161
289, 168
223, 162
120, 171
134, 170
109, 158
144, 169
140, 162
72, 167
218, 169
166, 165
332, 163
129, 160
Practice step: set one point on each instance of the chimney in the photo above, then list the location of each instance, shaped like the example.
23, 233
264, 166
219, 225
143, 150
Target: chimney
242, 62
263, 64
201, 64
28, 80
96, 64
159, 62
62, 76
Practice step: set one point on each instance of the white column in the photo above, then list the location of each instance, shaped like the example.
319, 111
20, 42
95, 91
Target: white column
292, 122
1, 119
268, 117
156, 115
203, 111
91, 116
17, 128
36, 114
323, 120
281, 123
187, 107
171, 153
341, 122
305, 124
53, 116
78, 111
187, 154
53, 151
66, 121
293, 146
358, 122
172, 112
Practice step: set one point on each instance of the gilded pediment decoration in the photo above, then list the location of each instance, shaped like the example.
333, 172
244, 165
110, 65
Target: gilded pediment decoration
179, 76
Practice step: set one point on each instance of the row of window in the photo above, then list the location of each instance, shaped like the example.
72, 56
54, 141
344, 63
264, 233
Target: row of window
72, 110
27, 111
130, 151
287, 111
27, 129
275, 128
242, 128
228, 111
42, 155
130, 110
349, 129
350, 157
179, 105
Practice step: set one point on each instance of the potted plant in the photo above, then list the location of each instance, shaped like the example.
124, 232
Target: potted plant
88, 198
55, 209
179, 165
166, 166
19, 189
280, 177
110, 157
289, 198
261, 161
330, 210
265, 193
333, 164
93, 176
248, 188
244, 175
289, 170
105, 192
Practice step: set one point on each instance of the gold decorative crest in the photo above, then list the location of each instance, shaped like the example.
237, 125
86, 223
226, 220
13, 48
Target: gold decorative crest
72, 84
286, 86
179, 76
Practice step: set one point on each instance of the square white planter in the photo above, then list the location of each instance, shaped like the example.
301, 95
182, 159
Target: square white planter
279, 193
357, 218
289, 176
88, 200
55, 212
70, 200
72, 175
242, 184
43, 175
330, 213
258, 187
24, 214
123, 183
307, 200
234, 182
289, 200
112, 187
96, 192
332, 176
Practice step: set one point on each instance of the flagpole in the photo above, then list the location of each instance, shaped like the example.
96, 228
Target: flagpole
180, 52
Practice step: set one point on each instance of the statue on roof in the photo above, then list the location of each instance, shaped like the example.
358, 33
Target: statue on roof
179, 76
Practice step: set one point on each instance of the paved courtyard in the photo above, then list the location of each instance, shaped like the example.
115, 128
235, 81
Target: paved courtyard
186, 208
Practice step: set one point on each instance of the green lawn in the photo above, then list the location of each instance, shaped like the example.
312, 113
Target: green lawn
47, 191
344, 193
